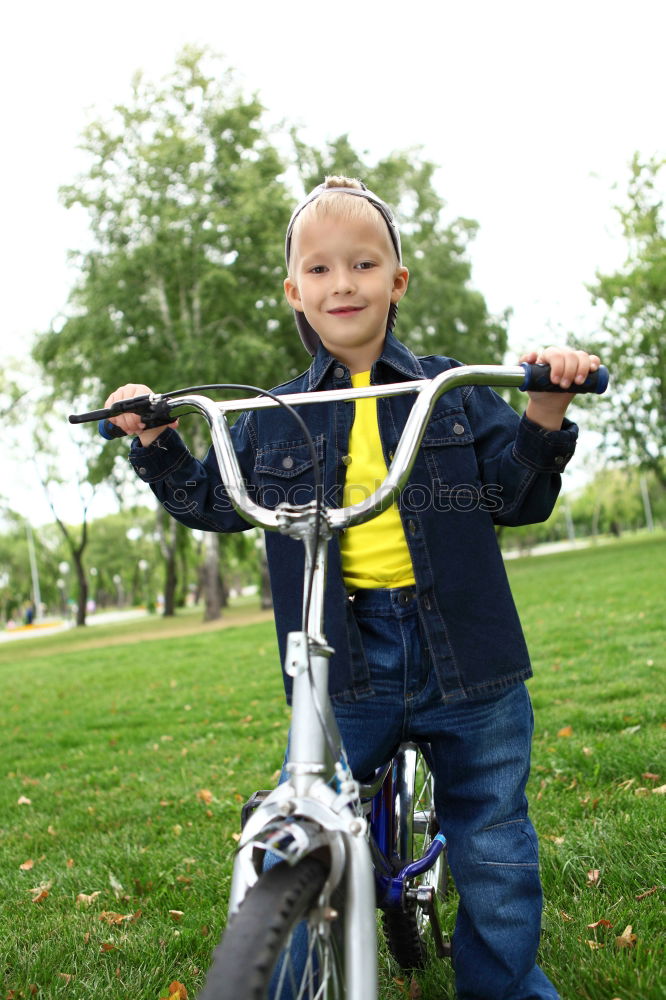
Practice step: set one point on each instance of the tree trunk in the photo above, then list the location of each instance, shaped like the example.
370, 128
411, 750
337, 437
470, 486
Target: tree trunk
82, 606
168, 537
211, 578
265, 593
170, 583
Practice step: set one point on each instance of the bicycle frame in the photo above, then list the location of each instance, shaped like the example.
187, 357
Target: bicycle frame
305, 813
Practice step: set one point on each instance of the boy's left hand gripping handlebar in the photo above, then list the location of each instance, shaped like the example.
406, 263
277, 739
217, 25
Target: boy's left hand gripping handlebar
155, 414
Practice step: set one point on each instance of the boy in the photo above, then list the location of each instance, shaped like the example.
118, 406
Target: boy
418, 608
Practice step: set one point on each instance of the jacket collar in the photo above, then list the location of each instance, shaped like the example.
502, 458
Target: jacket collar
394, 359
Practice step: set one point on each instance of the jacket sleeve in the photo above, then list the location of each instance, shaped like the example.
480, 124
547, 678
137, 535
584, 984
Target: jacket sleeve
518, 459
189, 489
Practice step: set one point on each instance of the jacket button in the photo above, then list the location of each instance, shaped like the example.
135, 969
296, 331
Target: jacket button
404, 597
560, 460
142, 471
346, 459
458, 429
288, 462
339, 372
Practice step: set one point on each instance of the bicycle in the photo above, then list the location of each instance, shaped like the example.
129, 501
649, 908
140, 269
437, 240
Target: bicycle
305, 927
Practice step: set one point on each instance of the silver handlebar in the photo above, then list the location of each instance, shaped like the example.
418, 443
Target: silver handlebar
428, 392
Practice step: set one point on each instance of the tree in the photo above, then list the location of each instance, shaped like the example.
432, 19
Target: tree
182, 287
633, 339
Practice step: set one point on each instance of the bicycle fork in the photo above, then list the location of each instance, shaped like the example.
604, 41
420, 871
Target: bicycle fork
305, 814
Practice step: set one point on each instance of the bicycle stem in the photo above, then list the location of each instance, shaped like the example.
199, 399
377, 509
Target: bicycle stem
311, 753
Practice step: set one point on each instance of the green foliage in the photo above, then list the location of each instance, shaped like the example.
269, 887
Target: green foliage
188, 214
633, 340
611, 503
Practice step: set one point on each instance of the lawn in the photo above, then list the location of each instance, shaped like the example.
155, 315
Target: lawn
125, 758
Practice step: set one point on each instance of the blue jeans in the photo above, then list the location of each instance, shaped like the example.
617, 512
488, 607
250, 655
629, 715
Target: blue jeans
481, 759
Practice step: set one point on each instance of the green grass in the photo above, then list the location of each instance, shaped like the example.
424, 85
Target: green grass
137, 756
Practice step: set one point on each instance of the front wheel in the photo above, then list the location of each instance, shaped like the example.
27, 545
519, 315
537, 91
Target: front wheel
282, 944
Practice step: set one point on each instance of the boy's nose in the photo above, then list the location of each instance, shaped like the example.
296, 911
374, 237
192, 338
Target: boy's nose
344, 282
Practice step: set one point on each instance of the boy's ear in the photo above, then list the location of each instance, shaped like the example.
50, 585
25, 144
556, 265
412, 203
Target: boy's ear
400, 282
292, 294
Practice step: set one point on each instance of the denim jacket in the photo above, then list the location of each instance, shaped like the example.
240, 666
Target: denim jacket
479, 465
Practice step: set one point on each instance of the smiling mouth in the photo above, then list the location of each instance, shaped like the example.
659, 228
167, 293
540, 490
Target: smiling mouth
345, 310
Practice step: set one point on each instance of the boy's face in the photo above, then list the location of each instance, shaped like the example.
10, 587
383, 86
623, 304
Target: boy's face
344, 277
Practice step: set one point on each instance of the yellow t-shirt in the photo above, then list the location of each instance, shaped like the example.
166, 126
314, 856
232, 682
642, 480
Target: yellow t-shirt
374, 554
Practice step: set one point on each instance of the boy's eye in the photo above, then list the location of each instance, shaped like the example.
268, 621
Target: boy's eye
365, 265
317, 269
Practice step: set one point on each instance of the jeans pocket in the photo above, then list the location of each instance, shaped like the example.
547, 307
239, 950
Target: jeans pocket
513, 844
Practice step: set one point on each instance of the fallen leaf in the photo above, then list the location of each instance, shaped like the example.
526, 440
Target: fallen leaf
565, 916
176, 914
600, 923
629, 731
66, 976
41, 895
87, 899
588, 751
595, 945
659, 791
593, 876
27, 865
177, 829
177, 989
204, 795
116, 918
236, 837
648, 892
70, 862
414, 991
649, 776
51, 831
626, 939
565, 732
107, 946
24, 801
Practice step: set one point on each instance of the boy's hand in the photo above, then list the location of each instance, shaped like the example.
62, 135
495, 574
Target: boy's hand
132, 423
567, 367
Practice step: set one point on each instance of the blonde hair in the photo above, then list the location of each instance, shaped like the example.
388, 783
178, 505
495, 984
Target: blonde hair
337, 204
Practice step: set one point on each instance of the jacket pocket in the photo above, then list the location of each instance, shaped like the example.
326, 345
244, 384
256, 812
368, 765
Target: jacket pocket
448, 450
284, 471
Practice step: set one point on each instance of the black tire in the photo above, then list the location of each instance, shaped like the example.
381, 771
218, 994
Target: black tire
255, 945
407, 930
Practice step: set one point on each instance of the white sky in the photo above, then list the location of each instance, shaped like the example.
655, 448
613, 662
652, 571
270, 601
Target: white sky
531, 109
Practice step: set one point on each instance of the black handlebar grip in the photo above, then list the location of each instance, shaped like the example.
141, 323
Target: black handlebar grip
537, 379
